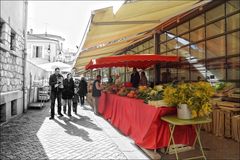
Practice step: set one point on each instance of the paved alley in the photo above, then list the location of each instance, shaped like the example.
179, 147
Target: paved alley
34, 136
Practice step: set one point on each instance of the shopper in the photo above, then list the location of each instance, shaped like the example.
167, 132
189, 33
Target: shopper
75, 99
68, 93
96, 92
143, 80
82, 90
56, 85
135, 78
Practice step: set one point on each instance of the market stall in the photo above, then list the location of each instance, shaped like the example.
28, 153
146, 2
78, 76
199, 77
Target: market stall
124, 106
142, 122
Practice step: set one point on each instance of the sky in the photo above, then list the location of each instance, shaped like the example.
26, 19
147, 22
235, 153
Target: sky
67, 19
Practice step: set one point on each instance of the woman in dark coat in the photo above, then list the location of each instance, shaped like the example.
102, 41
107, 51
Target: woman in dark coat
82, 90
68, 92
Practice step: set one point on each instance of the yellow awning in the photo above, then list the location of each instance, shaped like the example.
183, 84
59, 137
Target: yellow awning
131, 19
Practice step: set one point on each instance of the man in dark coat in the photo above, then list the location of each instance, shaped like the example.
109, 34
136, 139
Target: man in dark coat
56, 84
82, 90
135, 78
68, 93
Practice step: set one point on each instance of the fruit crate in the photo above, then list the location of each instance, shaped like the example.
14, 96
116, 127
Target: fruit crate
236, 128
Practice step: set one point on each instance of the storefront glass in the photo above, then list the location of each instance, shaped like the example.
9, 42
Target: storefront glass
216, 47
233, 43
215, 13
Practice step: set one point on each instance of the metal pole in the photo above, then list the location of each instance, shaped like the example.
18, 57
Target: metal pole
157, 66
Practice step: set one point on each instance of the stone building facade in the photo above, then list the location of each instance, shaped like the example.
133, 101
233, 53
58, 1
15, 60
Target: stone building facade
12, 47
44, 48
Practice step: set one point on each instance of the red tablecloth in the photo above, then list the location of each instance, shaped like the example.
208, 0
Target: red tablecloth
142, 122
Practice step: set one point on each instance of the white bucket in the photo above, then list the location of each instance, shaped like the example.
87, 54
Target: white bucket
183, 112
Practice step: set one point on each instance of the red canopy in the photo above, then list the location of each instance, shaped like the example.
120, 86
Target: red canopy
141, 61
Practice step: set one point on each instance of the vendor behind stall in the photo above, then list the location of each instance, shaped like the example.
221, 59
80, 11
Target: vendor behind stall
96, 92
166, 76
143, 80
135, 78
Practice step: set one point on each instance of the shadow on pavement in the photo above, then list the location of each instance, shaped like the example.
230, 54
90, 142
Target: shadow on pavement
85, 122
19, 138
73, 130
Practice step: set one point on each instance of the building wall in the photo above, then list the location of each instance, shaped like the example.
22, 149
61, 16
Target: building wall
11, 58
54, 50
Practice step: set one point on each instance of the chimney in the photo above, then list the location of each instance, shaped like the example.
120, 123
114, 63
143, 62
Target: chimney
31, 31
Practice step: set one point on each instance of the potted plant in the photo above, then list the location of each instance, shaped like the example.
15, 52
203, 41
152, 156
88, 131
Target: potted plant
191, 99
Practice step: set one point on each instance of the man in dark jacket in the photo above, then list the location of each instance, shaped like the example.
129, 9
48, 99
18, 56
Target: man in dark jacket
82, 90
135, 78
56, 84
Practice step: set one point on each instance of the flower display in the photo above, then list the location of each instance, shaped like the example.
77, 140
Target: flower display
196, 95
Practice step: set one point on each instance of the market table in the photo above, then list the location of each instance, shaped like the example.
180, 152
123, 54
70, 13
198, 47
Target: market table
196, 122
142, 122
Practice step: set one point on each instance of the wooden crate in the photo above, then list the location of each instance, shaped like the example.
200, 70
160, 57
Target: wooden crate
208, 127
236, 128
222, 122
218, 122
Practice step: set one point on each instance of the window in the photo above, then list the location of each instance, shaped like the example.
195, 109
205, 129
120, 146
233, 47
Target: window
232, 6
37, 52
197, 35
173, 32
172, 44
163, 47
198, 50
183, 28
216, 47
1, 25
215, 28
233, 22
172, 53
163, 37
13, 41
2, 112
233, 71
198, 70
196, 22
215, 13
13, 107
233, 43
184, 52
216, 69
183, 40
183, 72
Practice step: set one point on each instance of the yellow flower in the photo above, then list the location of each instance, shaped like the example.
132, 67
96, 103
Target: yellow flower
194, 114
201, 113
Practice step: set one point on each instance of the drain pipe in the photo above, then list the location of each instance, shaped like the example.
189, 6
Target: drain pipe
25, 55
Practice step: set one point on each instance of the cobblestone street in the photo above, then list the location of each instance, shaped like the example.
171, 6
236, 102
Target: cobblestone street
34, 136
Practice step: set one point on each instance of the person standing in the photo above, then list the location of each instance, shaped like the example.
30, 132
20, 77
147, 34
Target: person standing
118, 79
75, 99
166, 76
68, 93
143, 80
135, 78
82, 90
96, 92
56, 85
110, 79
